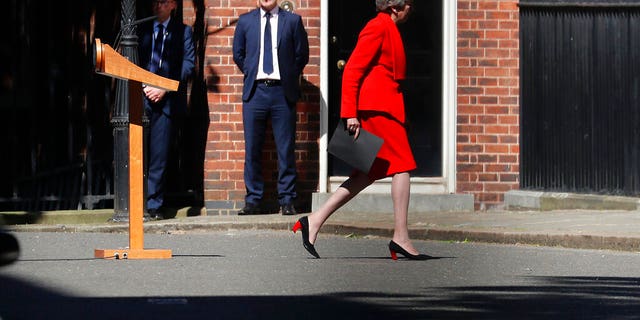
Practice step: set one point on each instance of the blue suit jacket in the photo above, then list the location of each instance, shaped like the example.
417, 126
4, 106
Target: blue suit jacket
178, 61
293, 51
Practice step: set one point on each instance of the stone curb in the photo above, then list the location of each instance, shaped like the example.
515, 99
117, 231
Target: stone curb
345, 229
548, 201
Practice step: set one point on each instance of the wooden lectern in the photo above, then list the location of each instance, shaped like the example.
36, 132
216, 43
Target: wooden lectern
110, 63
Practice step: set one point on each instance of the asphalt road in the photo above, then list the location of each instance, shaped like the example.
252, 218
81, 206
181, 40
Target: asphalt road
260, 274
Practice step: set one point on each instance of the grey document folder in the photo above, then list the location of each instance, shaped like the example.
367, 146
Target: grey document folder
359, 153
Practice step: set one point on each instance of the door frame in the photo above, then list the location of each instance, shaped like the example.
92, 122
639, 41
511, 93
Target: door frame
444, 184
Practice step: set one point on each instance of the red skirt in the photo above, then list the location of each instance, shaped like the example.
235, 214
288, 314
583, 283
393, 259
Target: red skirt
395, 155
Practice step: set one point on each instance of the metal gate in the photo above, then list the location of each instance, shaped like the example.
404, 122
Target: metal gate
580, 95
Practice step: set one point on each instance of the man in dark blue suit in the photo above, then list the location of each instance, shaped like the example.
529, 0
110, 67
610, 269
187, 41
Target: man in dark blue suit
271, 48
166, 49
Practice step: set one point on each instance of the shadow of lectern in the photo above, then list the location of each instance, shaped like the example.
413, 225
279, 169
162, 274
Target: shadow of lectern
110, 63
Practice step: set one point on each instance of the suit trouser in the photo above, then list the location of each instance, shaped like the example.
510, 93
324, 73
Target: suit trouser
159, 145
269, 102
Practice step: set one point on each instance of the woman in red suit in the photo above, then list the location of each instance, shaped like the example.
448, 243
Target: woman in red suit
372, 99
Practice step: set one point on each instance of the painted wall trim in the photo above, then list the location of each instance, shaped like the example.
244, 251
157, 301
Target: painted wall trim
449, 92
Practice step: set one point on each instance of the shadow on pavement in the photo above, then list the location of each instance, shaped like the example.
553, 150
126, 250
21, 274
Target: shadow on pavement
23, 300
91, 259
385, 258
556, 298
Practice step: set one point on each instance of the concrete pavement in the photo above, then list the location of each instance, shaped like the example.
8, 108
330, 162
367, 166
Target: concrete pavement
577, 228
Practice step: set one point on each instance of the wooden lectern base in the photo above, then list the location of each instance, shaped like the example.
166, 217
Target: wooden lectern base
133, 253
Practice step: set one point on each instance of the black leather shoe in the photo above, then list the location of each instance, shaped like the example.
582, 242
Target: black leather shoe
395, 248
303, 225
288, 210
250, 209
153, 214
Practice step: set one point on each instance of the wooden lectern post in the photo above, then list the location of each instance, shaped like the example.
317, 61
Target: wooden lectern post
110, 63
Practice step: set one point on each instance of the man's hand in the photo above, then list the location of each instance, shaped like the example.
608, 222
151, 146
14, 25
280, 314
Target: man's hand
154, 94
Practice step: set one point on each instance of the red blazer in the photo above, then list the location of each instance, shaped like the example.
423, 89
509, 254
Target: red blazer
370, 78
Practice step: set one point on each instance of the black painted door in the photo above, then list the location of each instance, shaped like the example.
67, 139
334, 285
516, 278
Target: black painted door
580, 97
422, 36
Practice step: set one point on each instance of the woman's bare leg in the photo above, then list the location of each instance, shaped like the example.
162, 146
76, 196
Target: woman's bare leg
400, 192
342, 195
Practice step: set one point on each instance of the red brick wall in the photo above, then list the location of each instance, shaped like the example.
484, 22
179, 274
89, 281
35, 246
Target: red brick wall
224, 188
488, 100
488, 105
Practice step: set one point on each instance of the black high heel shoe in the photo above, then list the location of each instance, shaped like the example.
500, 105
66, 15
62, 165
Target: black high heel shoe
395, 248
303, 223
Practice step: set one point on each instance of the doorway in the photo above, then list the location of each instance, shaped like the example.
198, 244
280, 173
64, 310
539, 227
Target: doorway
422, 36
